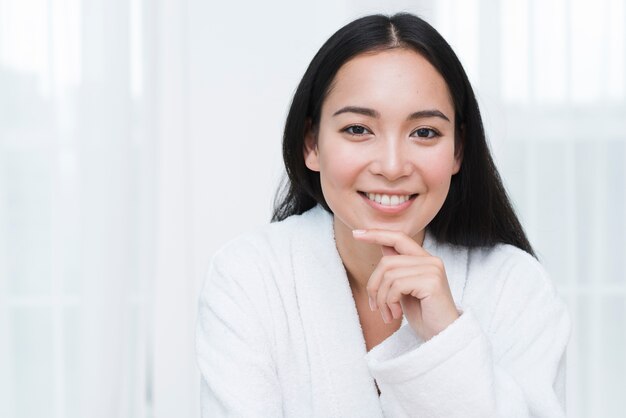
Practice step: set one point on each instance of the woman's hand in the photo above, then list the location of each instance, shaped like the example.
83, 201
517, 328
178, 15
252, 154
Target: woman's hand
408, 279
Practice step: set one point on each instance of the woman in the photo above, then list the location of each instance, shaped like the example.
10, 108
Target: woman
396, 279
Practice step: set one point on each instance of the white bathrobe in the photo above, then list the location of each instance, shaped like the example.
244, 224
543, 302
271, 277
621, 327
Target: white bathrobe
278, 335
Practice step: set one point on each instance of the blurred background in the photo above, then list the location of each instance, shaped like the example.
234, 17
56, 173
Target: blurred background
136, 137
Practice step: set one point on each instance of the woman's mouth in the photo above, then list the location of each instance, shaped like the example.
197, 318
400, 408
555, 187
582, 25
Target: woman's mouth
390, 203
388, 200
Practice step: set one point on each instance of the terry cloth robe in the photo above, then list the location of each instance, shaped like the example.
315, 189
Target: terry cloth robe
278, 335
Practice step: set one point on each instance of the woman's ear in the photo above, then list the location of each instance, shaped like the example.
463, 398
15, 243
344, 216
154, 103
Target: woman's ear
311, 153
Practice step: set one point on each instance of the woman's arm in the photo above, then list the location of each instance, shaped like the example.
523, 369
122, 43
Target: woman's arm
233, 348
515, 368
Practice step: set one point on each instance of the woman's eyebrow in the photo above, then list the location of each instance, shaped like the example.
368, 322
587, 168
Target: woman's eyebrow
374, 114
360, 110
427, 114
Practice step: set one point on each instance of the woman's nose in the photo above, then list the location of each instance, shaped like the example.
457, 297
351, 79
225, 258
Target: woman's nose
391, 160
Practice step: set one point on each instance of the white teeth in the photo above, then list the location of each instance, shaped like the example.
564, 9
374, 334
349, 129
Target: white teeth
388, 200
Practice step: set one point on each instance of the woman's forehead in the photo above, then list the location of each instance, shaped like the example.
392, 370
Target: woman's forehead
389, 79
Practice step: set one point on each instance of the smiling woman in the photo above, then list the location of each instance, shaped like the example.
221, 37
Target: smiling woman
396, 279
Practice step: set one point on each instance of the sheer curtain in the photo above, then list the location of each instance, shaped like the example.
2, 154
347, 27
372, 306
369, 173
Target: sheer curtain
77, 235
137, 137
93, 248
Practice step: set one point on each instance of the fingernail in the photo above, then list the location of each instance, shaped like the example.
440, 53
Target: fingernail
384, 315
372, 304
358, 231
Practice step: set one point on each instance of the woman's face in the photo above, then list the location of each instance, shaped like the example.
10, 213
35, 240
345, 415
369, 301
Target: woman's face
385, 144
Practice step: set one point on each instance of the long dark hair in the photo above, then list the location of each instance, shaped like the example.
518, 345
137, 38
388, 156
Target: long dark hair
477, 211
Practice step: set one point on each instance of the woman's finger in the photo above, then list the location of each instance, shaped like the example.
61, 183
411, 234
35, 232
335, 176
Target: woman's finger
388, 302
387, 263
388, 250
399, 241
396, 310
417, 283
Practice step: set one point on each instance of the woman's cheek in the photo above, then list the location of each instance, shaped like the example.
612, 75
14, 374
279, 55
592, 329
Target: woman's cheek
437, 166
343, 165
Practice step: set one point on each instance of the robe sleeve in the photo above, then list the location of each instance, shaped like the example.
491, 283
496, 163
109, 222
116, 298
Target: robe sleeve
232, 346
514, 368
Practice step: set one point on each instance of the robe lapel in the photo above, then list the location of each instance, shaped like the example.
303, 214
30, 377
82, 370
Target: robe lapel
342, 385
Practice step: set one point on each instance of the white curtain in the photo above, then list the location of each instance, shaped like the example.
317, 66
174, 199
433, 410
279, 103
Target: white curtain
96, 300
136, 137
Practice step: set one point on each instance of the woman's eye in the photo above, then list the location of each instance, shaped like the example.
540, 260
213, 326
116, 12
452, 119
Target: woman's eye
426, 133
357, 130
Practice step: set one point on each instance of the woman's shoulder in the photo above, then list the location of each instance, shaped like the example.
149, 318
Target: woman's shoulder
515, 294
490, 263
271, 240
504, 281
259, 261
506, 262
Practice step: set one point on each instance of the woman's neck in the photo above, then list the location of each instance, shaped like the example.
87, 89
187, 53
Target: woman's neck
359, 259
